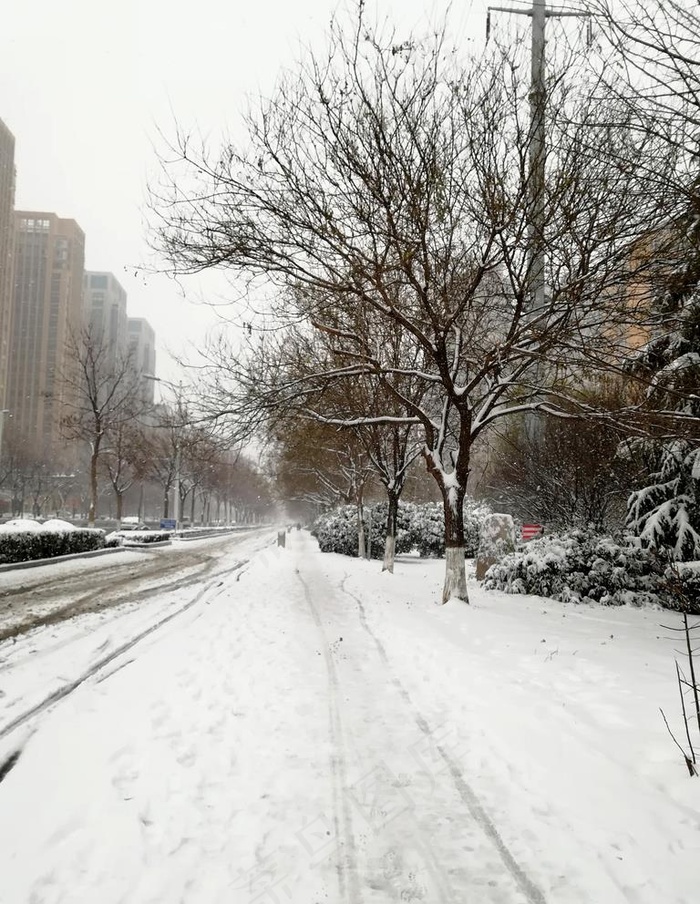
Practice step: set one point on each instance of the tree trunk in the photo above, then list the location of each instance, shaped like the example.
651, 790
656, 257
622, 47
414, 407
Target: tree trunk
453, 488
390, 542
120, 504
166, 504
455, 586
360, 531
92, 512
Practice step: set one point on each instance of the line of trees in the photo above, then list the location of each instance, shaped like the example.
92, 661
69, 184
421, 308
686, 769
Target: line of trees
130, 447
384, 193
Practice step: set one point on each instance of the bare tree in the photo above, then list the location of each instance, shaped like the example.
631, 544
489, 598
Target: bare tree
307, 358
123, 458
386, 183
201, 454
250, 491
104, 394
161, 457
323, 465
655, 46
563, 474
178, 450
18, 462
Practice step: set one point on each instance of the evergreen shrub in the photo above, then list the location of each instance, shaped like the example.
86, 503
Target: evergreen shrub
336, 531
584, 567
419, 527
138, 537
29, 545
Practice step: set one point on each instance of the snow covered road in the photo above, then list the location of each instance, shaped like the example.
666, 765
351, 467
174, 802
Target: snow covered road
311, 731
48, 593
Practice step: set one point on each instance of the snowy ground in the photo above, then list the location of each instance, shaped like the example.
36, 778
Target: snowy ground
308, 730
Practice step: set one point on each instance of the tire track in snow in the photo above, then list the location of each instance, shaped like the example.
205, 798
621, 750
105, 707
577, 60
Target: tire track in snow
61, 613
112, 609
70, 686
469, 797
346, 847
111, 586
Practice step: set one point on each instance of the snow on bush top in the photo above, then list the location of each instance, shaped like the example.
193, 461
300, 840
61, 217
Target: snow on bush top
53, 525
419, 526
18, 525
583, 567
56, 524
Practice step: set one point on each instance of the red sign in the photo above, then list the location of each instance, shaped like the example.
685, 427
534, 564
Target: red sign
529, 531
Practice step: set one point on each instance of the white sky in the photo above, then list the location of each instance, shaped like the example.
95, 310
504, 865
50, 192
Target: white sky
86, 85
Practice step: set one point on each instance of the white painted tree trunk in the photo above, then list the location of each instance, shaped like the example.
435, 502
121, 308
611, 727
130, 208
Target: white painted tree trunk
455, 575
389, 551
360, 539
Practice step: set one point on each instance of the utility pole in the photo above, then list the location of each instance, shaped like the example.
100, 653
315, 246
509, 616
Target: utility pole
537, 155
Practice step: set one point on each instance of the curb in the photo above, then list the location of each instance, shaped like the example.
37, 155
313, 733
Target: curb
158, 544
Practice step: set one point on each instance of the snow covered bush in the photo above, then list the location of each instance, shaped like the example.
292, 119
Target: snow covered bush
336, 531
376, 516
582, 567
25, 544
426, 531
682, 587
420, 527
475, 514
137, 537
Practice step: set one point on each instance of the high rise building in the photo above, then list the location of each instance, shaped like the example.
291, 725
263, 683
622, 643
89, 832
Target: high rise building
47, 309
142, 354
7, 237
105, 315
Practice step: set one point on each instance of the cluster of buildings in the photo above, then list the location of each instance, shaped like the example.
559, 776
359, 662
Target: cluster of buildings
46, 297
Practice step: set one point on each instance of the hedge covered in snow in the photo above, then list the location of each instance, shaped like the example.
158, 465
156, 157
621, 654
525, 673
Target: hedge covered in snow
584, 567
31, 541
426, 529
420, 527
336, 531
137, 537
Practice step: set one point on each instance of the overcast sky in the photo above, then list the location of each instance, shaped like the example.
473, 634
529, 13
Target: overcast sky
86, 85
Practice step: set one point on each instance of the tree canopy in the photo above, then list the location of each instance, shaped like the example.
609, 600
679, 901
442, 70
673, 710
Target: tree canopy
385, 188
